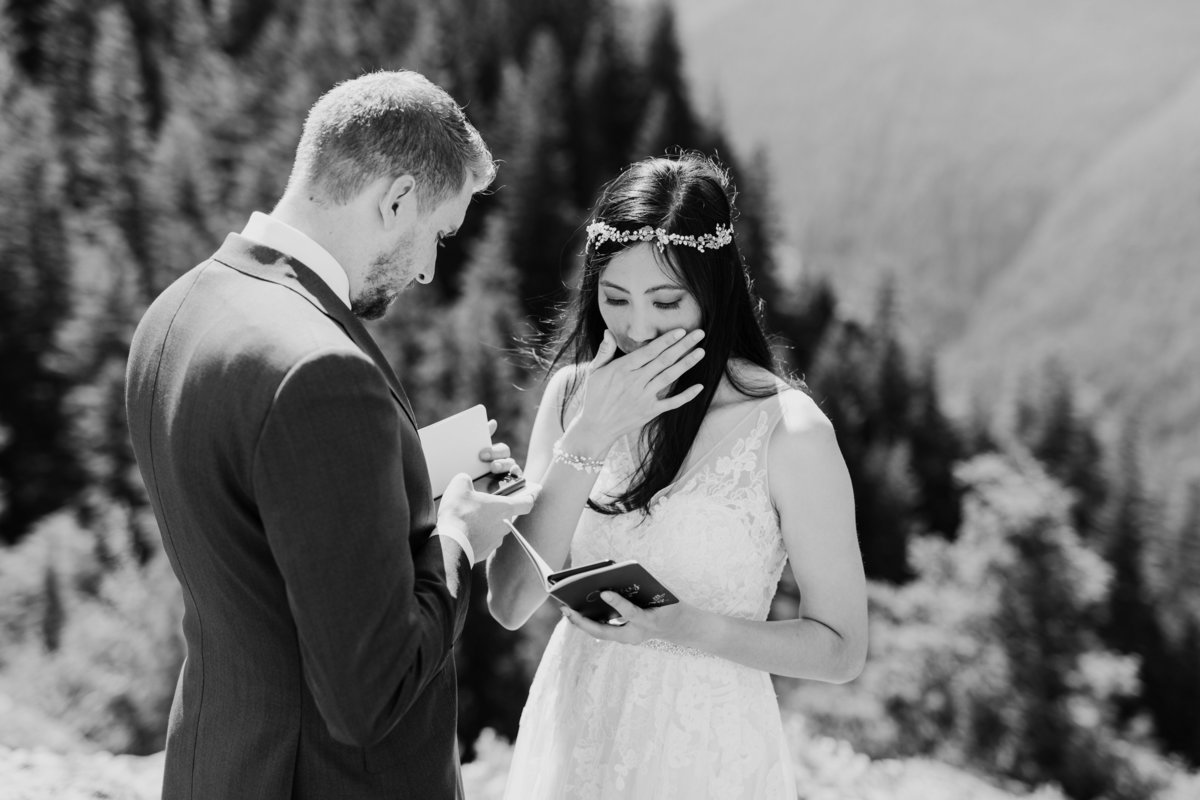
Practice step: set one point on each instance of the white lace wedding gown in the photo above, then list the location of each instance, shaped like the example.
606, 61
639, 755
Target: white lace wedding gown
656, 720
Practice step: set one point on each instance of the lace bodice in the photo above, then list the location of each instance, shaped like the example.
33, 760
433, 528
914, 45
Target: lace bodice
712, 536
610, 721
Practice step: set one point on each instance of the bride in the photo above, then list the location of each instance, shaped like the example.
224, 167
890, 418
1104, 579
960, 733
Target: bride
668, 437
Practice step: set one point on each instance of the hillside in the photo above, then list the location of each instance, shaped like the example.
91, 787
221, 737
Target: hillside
1110, 284
927, 138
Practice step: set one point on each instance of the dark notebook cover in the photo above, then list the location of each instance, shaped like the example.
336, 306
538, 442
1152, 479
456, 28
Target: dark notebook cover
580, 588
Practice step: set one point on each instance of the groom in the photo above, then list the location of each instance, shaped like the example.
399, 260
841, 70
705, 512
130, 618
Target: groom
322, 593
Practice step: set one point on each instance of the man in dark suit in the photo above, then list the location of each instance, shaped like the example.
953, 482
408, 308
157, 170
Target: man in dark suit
322, 592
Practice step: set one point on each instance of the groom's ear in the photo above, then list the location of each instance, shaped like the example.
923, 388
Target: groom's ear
399, 201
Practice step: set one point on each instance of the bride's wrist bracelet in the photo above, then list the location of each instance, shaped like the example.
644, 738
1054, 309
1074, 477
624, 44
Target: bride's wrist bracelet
592, 466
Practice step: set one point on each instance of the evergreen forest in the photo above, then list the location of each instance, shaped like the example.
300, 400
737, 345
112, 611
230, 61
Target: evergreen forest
1035, 615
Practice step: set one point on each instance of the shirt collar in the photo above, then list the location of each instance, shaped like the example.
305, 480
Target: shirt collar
268, 231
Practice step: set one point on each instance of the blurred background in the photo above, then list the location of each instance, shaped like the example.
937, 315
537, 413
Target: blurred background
975, 227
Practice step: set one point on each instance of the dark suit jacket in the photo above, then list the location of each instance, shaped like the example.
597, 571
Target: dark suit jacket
284, 467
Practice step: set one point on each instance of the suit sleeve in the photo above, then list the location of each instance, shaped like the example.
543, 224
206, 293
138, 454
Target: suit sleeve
375, 621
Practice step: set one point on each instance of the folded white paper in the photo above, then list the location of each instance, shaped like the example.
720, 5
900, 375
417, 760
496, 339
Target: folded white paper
452, 446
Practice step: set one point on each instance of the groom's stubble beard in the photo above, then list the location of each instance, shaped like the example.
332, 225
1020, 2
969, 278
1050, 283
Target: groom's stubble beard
389, 274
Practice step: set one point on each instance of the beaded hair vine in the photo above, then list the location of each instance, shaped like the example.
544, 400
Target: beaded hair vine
600, 232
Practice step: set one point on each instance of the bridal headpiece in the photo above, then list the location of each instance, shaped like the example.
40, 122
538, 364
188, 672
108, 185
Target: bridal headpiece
600, 232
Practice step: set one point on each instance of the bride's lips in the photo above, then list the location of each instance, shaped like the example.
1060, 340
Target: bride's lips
626, 346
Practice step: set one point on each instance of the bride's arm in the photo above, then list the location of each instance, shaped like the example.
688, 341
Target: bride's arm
620, 396
811, 490
514, 589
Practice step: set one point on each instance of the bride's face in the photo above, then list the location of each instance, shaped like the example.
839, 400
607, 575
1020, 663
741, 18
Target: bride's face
640, 299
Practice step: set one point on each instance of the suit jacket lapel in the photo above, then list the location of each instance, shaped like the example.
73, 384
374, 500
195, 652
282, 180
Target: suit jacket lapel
264, 263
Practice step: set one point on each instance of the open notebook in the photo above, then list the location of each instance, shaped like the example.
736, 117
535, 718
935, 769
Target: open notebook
452, 446
580, 587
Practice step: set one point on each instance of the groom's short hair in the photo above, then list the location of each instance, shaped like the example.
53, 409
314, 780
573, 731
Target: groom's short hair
386, 124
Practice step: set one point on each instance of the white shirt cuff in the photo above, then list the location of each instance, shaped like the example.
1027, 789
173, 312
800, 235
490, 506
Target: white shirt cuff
457, 532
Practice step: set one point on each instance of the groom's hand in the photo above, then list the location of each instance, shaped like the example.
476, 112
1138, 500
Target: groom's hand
481, 516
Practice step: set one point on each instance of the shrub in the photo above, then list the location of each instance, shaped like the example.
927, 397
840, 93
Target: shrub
89, 634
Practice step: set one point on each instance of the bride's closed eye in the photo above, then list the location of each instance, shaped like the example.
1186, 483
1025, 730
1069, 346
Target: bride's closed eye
616, 301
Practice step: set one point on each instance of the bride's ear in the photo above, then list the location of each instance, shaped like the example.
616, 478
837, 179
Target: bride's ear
399, 201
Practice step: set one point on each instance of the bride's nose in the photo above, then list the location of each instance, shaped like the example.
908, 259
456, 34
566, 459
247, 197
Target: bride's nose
640, 329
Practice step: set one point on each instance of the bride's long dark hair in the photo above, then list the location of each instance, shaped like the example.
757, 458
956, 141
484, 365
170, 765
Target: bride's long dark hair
688, 194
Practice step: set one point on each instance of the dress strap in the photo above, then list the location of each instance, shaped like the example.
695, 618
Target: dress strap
744, 433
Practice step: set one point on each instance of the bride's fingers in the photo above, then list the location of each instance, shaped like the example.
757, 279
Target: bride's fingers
675, 353
497, 451
605, 352
676, 400
653, 349
674, 372
505, 466
600, 630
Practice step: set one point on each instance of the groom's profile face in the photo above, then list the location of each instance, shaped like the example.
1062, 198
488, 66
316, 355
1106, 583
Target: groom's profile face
412, 257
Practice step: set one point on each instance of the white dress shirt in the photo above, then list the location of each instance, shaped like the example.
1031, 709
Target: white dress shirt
268, 231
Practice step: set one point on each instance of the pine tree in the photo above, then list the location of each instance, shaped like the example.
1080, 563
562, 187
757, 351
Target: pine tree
889, 370
430, 50
487, 324
115, 148
758, 226
885, 500
844, 384
668, 119
53, 614
1180, 730
36, 464
1134, 622
1128, 526
1036, 700
604, 107
936, 449
1178, 613
979, 434
26, 39
1183, 576
803, 317
533, 186
1062, 438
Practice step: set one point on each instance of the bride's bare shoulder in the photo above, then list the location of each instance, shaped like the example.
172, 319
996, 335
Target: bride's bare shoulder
804, 436
752, 383
800, 411
562, 387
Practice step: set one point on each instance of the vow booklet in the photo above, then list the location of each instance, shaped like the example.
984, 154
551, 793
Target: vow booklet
580, 587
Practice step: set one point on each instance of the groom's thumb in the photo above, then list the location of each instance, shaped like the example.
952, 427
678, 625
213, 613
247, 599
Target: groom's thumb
460, 484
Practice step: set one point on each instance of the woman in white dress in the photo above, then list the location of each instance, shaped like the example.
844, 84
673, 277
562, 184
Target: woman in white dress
668, 437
